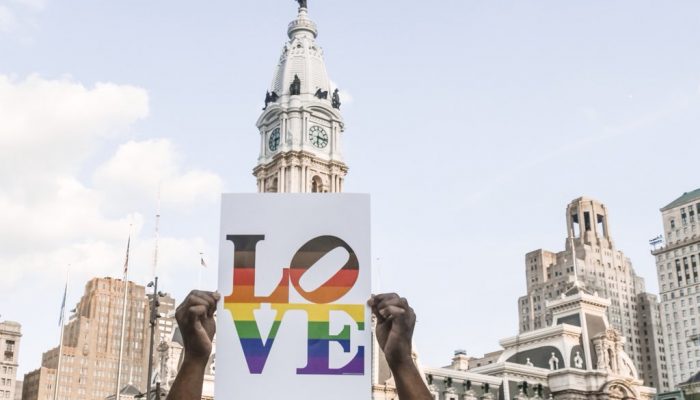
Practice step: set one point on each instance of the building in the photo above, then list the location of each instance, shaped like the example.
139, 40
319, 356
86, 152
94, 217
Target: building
590, 256
10, 335
91, 345
679, 285
39, 384
578, 356
301, 127
688, 390
18, 390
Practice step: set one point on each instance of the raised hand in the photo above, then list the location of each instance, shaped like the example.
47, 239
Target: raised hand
395, 323
195, 316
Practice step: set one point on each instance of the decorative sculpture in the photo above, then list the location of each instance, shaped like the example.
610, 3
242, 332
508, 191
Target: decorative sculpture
302, 3
336, 99
321, 94
529, 363
538, 390
295, 87
553, 362
578, 361
270, 98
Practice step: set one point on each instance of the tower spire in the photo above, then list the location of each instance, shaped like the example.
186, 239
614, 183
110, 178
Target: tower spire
301, 126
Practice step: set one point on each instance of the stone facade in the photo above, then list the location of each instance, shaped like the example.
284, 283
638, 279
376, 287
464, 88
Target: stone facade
91, 341
39, 384
578, 356
590, 255
679, 285
301, 127
10, 335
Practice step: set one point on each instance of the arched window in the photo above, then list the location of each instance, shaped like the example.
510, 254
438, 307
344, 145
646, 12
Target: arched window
272, 188
316, 184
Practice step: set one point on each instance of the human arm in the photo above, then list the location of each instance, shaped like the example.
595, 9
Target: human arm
195, 317
395, 323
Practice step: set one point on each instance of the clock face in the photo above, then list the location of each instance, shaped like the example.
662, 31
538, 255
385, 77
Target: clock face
318, 137
274, 141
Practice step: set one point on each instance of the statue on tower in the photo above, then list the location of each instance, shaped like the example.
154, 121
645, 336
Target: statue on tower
335, 102
295, 87
302, 3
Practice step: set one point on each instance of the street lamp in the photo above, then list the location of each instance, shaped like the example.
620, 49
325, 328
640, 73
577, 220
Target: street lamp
155, 303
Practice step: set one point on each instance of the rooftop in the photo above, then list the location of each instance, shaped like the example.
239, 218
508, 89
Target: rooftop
685, 198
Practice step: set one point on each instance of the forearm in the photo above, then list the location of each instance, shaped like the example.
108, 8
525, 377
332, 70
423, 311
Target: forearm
409, 383
189, 380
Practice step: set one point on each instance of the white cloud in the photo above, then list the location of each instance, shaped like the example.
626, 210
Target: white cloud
54, 123
50, 216
139, 170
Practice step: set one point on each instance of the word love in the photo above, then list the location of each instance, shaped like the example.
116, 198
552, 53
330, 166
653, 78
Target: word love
243, 301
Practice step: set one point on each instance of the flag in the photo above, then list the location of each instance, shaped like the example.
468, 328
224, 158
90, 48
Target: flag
201, 258
63, 305
126, 262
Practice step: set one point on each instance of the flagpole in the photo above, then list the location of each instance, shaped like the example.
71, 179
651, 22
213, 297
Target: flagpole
60, 341
121, 341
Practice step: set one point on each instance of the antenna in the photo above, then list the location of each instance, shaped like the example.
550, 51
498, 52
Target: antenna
155, 251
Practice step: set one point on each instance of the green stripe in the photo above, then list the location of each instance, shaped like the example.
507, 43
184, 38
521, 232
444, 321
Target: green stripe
319, 330
249, 329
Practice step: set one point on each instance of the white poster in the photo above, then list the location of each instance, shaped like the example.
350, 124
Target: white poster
294, 274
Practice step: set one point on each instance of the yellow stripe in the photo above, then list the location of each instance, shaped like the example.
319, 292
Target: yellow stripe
315, 312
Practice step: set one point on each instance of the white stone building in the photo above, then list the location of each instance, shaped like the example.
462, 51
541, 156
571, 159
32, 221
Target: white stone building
590, 256
578, 356
10, 335
679, 286
301, 128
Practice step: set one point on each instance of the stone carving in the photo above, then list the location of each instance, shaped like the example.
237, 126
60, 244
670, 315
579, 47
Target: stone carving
553, 362
538, 390
302, 3
529, 363
270, 98
321, 94
611, 354
578, 361
295, 87
336, 99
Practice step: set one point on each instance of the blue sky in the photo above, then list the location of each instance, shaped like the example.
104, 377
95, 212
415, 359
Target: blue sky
471, 123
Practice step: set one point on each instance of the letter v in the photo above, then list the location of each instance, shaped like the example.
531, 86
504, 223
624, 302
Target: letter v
255, 349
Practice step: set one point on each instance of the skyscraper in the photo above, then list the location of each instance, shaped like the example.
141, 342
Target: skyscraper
10, 334
90, 352
301, 127
679, 285
591, 257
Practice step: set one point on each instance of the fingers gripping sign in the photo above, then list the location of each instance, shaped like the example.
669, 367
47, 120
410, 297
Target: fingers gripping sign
195, 316
395, 323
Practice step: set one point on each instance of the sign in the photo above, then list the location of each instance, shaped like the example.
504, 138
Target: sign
294, 273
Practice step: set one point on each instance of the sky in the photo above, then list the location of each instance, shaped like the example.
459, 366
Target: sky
472, 124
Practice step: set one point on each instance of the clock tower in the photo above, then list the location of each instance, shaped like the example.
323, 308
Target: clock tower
301, 127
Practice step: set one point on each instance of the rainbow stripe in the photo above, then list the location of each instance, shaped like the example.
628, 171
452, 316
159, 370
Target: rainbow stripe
256, 350
243, 302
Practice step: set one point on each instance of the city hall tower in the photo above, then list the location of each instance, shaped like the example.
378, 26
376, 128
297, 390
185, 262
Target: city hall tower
301, 127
